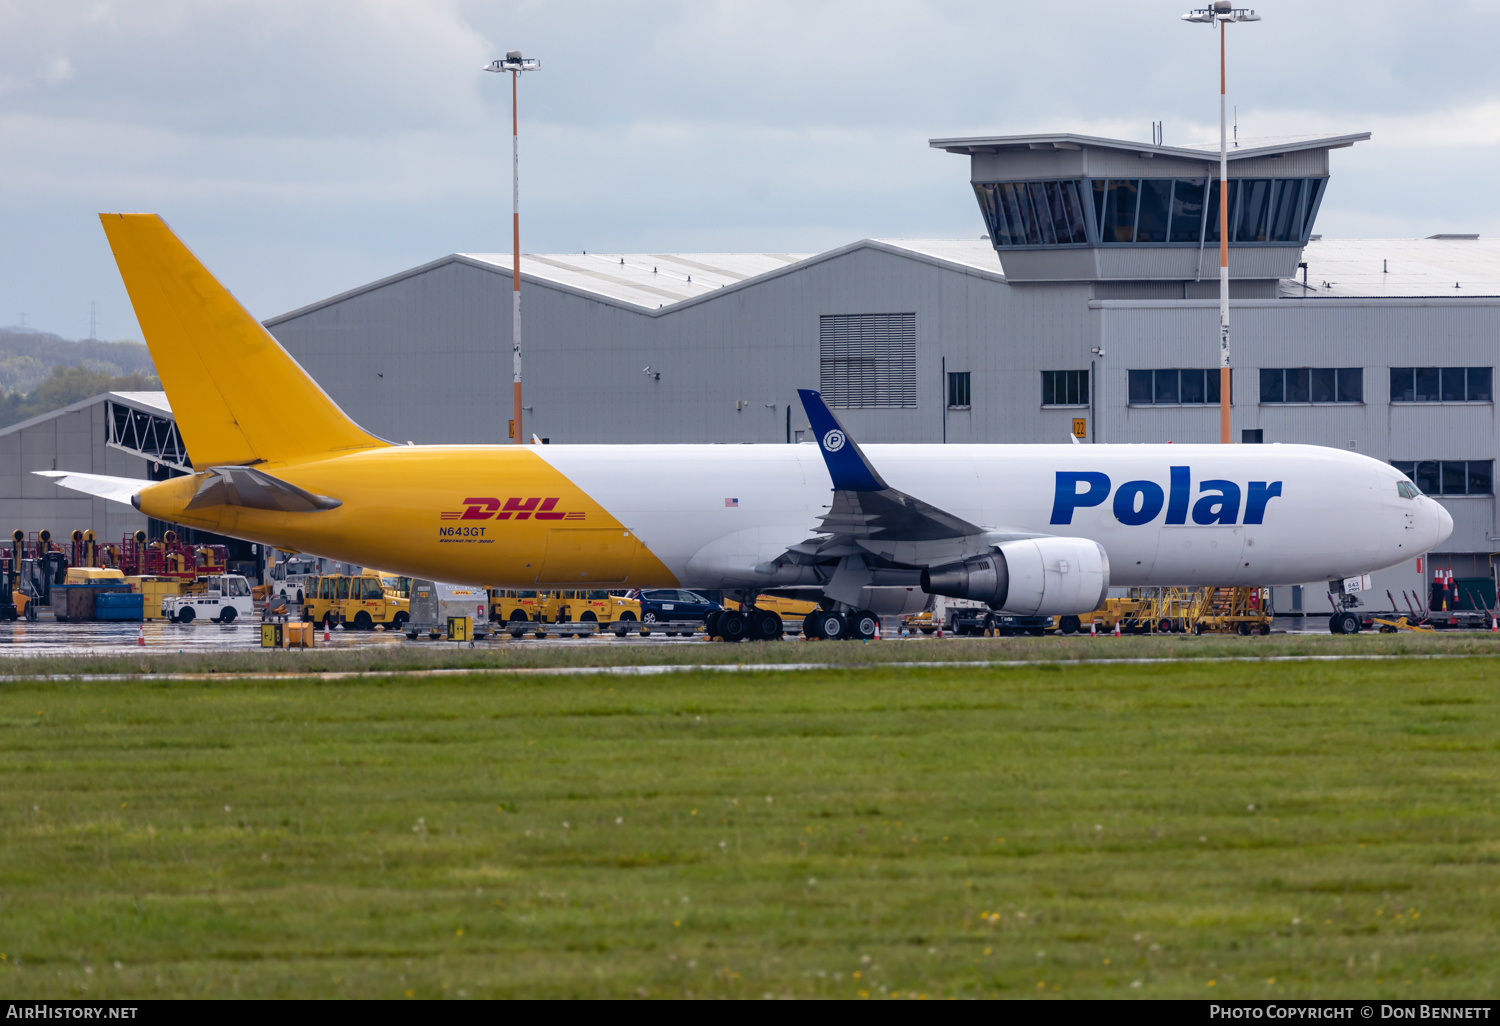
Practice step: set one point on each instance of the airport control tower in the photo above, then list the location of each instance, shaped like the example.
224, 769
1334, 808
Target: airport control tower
1142, 220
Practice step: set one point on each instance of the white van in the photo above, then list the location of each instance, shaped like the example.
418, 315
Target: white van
225, 599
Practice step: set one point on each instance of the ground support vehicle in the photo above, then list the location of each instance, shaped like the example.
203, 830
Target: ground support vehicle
293, 579
1231, 611
433, 602
222, 599
509, 604
958, 616
360, 601
590, 607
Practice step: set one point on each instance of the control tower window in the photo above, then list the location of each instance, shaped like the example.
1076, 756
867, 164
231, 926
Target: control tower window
1147, 211
1187, 210
1034, 213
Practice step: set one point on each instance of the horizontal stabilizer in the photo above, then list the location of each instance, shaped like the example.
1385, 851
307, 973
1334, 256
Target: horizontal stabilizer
118, 489
254, 489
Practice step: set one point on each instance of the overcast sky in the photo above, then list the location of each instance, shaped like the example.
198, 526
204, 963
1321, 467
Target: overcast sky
302, 147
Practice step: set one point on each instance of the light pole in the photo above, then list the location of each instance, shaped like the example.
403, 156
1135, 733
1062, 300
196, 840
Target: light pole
1222, 12
515, 64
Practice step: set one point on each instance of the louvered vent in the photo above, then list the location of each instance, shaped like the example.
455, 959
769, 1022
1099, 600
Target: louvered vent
868, 360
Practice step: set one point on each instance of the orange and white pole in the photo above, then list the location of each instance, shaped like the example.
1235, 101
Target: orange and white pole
1224, 397
518, 437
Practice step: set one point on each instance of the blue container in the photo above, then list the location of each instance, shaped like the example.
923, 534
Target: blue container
119, 605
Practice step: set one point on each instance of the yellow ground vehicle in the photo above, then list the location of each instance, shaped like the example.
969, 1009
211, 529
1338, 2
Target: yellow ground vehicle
89, 574
360, 601
590, 607
394, 584
789, 609
507, 605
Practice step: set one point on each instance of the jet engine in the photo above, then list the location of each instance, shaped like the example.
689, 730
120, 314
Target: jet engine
1035, 576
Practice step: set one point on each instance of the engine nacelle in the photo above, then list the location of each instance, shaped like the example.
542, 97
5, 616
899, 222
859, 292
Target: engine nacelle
1035, 576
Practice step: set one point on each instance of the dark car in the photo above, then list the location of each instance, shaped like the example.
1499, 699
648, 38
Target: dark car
659, 605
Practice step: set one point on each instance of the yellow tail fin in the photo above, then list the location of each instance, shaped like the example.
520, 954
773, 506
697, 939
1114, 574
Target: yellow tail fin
237, 396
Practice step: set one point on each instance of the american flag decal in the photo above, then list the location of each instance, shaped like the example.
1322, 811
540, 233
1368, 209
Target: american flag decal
731, 502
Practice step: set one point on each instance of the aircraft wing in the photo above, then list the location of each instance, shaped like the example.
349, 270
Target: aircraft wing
117, 489
870, 516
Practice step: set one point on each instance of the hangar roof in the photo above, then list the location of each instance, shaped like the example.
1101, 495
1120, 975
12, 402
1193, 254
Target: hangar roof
146, 402
644, 279
1393, 268
658, 280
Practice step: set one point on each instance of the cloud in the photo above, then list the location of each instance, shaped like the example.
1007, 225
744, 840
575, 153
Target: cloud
305, 146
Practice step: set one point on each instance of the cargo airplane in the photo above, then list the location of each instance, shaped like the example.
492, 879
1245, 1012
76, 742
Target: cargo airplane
1027, 529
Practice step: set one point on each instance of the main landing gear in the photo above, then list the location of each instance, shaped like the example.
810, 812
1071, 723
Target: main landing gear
832, 625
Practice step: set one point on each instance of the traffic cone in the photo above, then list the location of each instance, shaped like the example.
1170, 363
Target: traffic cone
1117, 628
140, 637
325, 632
940, 629
1494, 624
877, 630
1093, 628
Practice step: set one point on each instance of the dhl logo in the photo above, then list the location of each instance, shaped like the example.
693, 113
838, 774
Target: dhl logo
520, 509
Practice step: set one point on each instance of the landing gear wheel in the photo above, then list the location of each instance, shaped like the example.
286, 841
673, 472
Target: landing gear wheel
1069, 625
833, 626
766, 625
711, 622
1348, 623
731, 625
184, 616
863, 625
228, 615
810, 626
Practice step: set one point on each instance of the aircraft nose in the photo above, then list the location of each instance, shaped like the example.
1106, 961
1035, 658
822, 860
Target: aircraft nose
1442, 523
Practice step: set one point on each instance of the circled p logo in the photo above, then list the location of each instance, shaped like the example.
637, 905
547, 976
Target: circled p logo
834, 440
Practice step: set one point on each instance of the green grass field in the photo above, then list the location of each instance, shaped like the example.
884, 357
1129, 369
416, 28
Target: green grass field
1209, 829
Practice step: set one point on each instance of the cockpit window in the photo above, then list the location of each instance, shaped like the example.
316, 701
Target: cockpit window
1407, 490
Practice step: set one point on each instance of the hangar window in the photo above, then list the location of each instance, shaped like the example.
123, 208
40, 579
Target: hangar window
1065, 388
1450, 477
1441, 385
1312, 385
958, 390
1173, 387
868, 360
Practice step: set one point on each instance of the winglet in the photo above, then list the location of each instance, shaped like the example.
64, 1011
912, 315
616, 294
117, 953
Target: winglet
847, 465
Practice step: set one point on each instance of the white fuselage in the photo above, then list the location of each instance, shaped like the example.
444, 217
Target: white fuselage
1288, 513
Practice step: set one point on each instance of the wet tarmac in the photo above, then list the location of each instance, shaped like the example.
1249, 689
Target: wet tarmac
52, 638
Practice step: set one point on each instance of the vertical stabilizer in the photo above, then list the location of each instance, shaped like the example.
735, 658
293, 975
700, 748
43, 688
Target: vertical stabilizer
237, 396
